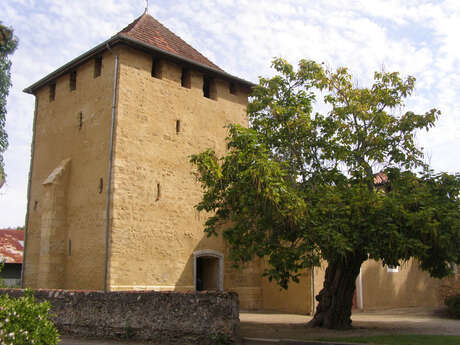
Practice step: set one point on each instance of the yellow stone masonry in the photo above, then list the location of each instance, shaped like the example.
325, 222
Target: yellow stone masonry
74, 126
155, 231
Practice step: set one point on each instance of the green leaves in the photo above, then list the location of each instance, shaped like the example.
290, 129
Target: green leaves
23, 321
8, 44
299, 186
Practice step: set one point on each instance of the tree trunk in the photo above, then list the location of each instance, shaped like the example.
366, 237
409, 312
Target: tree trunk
336, 297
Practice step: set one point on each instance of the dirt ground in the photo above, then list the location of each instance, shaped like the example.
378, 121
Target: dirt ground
274, 326
392, 321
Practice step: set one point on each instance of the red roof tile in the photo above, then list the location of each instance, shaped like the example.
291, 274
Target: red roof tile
148, 30
11, 246
380, 178
148, 34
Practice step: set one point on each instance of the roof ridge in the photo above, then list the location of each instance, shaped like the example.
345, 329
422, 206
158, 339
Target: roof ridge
175, 47
132, 24
174, 34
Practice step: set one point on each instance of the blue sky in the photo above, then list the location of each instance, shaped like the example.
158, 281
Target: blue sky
415, 37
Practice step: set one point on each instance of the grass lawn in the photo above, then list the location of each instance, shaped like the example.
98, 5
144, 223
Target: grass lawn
401, 339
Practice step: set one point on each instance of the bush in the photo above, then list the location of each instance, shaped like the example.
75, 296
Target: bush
453, 305
23, 321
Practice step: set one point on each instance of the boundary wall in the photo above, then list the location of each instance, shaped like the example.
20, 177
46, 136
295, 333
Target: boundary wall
160, 317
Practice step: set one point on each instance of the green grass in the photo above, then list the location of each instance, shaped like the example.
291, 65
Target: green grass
401, 340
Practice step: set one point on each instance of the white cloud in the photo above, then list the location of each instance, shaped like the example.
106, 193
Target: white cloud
417, 37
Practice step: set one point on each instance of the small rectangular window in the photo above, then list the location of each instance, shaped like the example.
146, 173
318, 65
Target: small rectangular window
207, 87
52, 91
158, 192
97, 66
70, 247
177, 126
186, 80
73, 80
80, 120
232, 88
156, 68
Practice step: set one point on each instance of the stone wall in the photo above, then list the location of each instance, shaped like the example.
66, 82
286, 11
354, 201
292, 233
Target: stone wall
66, 216
410, 286
160, 317
155, 230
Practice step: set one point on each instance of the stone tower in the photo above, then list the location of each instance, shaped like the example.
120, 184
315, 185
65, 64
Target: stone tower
111, 193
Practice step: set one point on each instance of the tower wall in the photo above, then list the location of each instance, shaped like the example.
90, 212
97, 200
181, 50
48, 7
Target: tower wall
155, 228
66, 216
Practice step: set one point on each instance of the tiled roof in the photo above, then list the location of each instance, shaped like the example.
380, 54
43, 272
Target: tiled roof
148, 30
146, 33
380, 178
11, 246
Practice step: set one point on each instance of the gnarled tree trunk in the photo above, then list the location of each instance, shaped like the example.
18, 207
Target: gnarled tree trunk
336, 297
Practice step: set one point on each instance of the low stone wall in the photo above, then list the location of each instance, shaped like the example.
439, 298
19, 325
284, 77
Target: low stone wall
160, 317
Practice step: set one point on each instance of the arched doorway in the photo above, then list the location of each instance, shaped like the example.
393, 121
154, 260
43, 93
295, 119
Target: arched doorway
208, 270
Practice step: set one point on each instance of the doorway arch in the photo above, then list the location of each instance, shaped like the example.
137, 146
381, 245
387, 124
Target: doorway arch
208, 270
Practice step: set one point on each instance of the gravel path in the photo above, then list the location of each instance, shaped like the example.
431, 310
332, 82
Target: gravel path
393, 321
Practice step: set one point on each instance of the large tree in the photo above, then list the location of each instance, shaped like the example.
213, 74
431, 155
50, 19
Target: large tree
8, 44
301, 186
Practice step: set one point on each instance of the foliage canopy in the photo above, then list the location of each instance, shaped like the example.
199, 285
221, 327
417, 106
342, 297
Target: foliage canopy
8, 44
299, 186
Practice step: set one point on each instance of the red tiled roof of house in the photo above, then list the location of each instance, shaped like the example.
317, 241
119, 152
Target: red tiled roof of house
148, 30
11, 246
380, 178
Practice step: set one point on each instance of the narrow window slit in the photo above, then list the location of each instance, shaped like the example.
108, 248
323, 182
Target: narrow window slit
158, 192
52, 91
97, 66
35, 205
101, 185
186, 78
73, 80
70, 247
80, 120
177, 126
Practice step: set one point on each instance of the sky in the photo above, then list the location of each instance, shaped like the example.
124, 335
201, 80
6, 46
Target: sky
415, 37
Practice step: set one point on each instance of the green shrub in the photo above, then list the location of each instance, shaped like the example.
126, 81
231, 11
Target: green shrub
453, 305
23, 321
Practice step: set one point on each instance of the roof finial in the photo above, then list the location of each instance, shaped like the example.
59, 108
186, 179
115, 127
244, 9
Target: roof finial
146, 6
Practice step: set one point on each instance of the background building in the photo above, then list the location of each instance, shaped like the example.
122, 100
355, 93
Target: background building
11, 252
